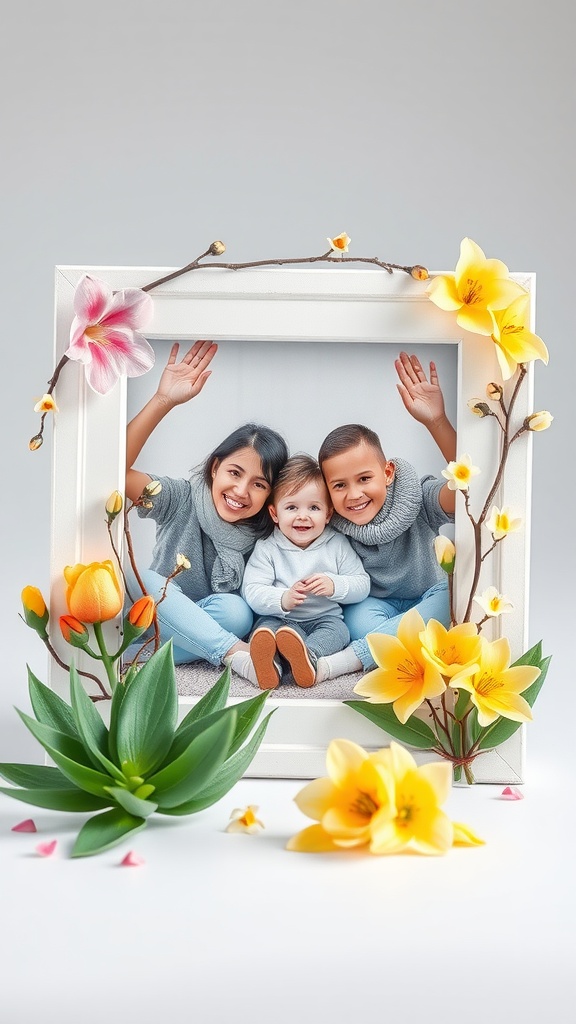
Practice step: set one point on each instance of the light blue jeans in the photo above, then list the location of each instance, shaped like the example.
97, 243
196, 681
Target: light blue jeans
378, 615
201, 630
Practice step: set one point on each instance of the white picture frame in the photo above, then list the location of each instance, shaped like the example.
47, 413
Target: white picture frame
270, 305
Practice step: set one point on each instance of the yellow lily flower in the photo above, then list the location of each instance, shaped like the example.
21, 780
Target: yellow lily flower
460, 473
404, 678
476, 284
514, 342
451, 650
502, 521
495, 688
381, 800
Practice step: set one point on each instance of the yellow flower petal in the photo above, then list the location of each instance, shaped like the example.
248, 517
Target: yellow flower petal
316, 798
442, 292
312, 840
464, 836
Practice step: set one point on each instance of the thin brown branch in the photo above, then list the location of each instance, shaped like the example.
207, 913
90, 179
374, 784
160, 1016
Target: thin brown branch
87, 675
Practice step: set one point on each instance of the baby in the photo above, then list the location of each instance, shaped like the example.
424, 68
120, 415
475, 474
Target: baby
297, 578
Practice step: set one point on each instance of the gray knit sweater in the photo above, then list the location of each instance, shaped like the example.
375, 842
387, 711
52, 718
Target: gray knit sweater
397, 546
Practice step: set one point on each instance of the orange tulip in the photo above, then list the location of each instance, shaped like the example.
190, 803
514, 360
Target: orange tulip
141, 614
73, 631
94, 593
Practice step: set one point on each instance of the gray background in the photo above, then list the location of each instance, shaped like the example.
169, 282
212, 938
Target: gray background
135, 133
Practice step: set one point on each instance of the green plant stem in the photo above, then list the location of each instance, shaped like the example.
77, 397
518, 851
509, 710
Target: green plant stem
87, 675
107, 659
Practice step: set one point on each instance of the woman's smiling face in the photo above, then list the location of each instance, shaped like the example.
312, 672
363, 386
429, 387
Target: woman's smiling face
357, 481
239, 487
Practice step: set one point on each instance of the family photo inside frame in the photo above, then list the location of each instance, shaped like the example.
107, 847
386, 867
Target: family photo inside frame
303, 351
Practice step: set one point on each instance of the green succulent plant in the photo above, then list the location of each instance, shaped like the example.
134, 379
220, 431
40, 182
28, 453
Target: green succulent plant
143, 763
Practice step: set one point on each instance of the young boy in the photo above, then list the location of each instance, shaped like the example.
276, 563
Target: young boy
297, 578
390, 517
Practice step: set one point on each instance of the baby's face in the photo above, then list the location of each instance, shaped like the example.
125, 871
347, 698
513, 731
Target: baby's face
358, 481
302, 516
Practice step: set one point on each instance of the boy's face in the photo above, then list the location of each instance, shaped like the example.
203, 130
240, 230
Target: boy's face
302, 516
357, 481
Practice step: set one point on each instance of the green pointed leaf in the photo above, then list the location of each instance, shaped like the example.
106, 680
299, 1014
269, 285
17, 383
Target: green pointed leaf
414, 731
115, 704
503, 728
105, 830
58, 799
461, 704
133, 804
69, 755
148, 713
91, 728
213, 700
49, 708
248, 713
227, 776
35, 776
194, 769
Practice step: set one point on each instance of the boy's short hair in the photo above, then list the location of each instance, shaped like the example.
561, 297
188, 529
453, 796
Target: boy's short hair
349, 436
296, 472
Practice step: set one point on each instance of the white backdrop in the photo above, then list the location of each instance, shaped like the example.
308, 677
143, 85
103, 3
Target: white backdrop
135, 134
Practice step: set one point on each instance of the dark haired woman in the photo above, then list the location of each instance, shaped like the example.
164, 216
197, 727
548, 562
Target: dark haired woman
213, 520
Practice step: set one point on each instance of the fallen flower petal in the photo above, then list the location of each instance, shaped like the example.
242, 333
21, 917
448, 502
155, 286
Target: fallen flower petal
511, 793
24, 826
464, 836
243, 819
132, 860
46, 849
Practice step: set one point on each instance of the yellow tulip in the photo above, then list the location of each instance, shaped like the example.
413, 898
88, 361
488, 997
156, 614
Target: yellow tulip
495, 688
94, 593
514, 342
460, 473
476, 284
453, 650
381, 800
404, 677
35, 610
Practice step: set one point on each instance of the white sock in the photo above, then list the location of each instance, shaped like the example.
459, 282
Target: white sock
241, 663
339, 664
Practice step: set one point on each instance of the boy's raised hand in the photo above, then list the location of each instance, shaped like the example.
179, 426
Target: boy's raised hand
293, 597
184, 380
318, 584
422, 398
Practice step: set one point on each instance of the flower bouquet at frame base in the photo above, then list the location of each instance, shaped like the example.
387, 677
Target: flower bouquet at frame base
143, 763
450, 689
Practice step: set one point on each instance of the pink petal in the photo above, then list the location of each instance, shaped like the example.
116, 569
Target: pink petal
46, 849
131, 308
91, 299
132, 860
25, 826
511, 793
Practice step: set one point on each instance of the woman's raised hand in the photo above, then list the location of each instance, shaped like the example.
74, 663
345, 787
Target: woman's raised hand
184, 380
421, 397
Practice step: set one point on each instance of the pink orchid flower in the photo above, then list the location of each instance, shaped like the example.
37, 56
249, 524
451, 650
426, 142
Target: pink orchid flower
104, 333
